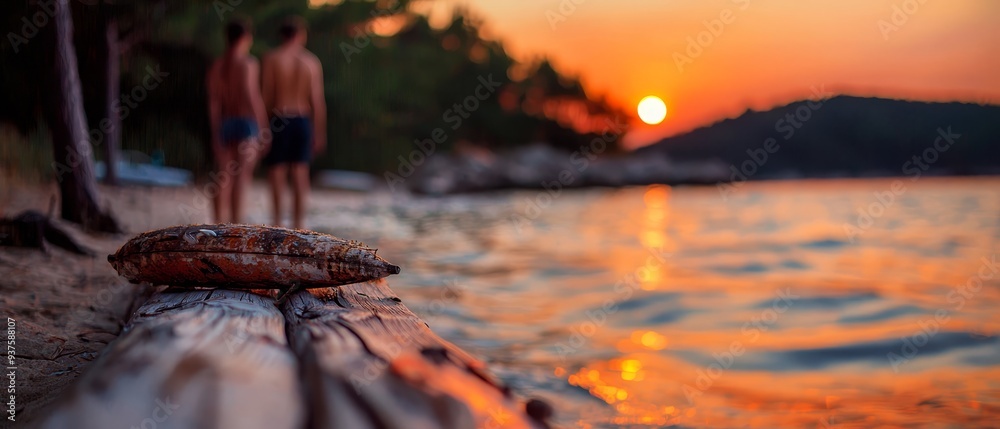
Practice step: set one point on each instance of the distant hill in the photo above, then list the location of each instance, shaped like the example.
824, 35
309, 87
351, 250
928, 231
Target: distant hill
847, 136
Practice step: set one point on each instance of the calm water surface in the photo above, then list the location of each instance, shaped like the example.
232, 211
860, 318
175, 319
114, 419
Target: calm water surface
657, 306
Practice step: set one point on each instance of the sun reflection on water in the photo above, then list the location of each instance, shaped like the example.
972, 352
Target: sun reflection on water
624, 299
612, 385
654, 233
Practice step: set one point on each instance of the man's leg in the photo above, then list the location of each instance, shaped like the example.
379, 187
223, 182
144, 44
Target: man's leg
300, 187
278, 176
247, 158
225, 184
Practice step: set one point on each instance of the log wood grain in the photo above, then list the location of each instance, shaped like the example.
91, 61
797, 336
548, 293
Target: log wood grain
355, 358
192, 359
369, 362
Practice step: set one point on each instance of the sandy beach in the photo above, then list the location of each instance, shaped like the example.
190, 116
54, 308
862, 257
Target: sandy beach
66, 308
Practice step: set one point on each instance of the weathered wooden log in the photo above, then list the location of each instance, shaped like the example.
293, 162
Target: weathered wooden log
192, 359
369, 362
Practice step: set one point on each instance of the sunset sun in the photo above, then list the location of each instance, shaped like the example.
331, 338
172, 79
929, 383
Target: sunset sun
652, 110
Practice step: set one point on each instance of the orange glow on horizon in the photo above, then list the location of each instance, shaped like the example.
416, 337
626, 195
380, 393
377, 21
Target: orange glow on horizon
716, 59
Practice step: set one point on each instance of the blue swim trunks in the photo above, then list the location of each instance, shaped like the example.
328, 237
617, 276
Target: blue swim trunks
291, 141
236, 130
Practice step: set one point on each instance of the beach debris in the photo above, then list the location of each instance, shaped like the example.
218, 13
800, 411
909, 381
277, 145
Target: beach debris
539, 410
34, 230
246, 257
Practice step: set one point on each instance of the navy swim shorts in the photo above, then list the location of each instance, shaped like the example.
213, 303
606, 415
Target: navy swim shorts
236, 130
291, 141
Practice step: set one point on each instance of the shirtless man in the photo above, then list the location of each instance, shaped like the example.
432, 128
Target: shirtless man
293, 93
236, 112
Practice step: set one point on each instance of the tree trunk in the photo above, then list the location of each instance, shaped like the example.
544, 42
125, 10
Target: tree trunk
70, 141
109, 55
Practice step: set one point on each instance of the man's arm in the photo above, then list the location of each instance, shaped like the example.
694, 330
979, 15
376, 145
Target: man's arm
214, 111
318, 101
267, 81
256, 101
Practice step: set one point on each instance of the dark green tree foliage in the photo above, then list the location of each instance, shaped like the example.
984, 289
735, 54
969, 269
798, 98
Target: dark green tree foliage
391, 79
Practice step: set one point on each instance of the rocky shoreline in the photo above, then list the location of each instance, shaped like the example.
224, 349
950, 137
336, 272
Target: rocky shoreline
540, 166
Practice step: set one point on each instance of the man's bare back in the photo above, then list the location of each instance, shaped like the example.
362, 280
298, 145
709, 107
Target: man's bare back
293, 86
229, 81
292, 70
294, 94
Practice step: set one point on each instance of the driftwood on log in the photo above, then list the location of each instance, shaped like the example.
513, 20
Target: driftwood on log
240, 256
191, 359
33, 229
358, 358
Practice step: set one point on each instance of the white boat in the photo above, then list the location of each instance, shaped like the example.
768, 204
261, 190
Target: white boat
137, 168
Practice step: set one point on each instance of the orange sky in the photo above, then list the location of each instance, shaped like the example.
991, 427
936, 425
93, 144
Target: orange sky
771, 52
